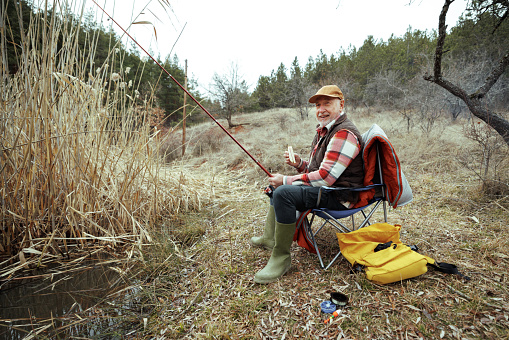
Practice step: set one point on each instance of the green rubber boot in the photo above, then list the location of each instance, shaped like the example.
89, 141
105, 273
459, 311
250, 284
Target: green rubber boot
267, 239
280, 260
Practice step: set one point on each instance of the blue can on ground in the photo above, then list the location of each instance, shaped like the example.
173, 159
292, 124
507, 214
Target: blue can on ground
328, 307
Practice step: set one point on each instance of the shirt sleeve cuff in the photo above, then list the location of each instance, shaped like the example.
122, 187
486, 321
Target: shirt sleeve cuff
302, 166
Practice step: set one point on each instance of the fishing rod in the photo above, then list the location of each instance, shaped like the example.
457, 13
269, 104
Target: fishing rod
268, 191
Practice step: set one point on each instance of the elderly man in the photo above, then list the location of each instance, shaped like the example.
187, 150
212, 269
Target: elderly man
333, 162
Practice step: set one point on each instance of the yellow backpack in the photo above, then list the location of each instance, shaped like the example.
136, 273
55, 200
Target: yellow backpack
385, 259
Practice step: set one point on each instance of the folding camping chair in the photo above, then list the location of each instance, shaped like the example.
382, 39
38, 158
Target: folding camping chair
384, 183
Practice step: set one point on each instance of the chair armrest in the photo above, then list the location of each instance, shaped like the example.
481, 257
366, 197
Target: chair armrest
325, 188
368, 187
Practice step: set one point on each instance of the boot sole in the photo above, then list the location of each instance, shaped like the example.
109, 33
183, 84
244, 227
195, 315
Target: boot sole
261, 281
261, 246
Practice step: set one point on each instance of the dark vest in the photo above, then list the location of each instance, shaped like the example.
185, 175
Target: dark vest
353, 176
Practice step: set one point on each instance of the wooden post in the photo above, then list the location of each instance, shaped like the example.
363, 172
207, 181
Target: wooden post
184, 114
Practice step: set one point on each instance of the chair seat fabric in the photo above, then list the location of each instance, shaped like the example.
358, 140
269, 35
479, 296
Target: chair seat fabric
342, 213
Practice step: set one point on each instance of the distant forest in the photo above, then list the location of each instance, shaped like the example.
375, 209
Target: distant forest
379, 73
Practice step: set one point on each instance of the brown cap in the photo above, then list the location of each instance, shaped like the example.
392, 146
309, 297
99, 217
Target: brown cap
328, 91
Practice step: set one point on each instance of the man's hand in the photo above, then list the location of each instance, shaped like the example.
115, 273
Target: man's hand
276, 180
289, 162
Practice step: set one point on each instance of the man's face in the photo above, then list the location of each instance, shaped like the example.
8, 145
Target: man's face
328, 109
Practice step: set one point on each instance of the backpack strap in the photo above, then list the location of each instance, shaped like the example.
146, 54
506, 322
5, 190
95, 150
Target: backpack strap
448, 269
443, 267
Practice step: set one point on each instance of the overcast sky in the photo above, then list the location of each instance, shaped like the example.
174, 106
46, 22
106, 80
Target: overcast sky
258, 35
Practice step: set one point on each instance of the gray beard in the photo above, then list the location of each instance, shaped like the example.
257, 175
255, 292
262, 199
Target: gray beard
324, 124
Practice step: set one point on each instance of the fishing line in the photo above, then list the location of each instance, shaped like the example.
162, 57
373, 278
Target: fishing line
187, 92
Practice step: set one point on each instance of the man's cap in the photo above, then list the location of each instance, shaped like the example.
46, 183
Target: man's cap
328, 91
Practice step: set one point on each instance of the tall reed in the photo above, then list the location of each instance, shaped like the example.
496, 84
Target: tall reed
78, 161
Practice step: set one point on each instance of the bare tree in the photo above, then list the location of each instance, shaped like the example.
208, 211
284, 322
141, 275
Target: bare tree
231, 91
474, 101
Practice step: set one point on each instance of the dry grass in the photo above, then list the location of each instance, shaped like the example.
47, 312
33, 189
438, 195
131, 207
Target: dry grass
215, 297
79, 165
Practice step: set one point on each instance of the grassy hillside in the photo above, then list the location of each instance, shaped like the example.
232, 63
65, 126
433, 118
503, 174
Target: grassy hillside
212, 293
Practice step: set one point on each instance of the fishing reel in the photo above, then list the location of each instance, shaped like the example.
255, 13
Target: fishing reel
269, 190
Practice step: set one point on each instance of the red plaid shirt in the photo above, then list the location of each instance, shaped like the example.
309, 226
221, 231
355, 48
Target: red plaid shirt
342, 149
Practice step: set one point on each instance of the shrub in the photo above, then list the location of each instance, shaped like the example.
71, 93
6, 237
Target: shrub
171, 147
210, 140
488, 159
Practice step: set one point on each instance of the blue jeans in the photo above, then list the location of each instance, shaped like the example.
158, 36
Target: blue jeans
288, 199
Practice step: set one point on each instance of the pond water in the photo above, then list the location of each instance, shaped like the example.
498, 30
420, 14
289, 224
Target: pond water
55, 304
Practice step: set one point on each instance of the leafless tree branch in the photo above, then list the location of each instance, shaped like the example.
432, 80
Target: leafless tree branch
473, 101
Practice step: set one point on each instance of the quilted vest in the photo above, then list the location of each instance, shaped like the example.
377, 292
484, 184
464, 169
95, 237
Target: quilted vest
353, 176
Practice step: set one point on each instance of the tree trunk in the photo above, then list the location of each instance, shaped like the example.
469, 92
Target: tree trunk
474, 100
229, 120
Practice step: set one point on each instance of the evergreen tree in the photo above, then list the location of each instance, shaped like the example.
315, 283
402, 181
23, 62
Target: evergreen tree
298, 89
17, 14
170, 95
263, 93
308, 71
280, 92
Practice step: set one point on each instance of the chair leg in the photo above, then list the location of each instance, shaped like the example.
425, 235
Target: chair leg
312, 234
369, 215
333, 260
317, 250
324, 267
335, 222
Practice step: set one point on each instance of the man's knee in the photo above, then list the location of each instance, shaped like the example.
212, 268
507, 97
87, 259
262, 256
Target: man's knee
282, 192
